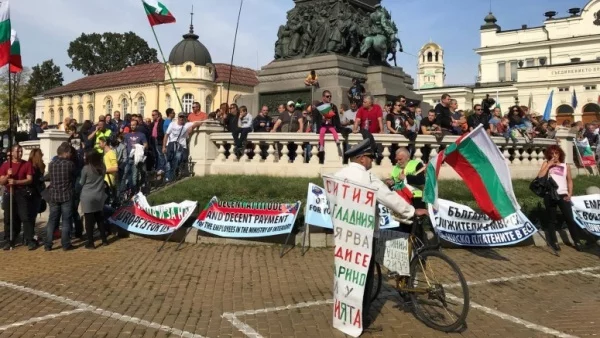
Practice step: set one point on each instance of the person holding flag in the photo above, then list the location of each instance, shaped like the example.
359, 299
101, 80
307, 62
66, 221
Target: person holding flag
329, 119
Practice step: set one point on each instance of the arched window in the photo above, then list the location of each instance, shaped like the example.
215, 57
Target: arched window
208, 104
429, 57
51, 122
71, 112
124, 106
91, 110
168, 101
591, 108
141, 105
80, 111
61, 115
109, 107
564, 109
437, 54
188, 100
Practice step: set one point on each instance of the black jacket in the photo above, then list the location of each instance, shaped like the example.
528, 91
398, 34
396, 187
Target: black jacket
262, 119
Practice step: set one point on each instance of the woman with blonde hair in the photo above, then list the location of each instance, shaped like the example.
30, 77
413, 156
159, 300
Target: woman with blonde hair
36, 157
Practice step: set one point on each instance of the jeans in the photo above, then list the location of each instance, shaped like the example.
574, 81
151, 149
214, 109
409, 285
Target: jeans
58, 210
176, 157
21, 211
239, 139
132, 175
158, 155
567, 212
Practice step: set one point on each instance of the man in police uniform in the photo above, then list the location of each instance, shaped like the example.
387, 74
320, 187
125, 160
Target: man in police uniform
361, 159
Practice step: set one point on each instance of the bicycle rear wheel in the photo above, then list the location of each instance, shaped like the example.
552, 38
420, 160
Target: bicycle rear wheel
432, 274
377, 281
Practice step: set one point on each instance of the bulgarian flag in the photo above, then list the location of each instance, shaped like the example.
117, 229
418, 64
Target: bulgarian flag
4, 33
157, 13
326, 110
430, 194
481, 165
16, 66
585, 151
404, 190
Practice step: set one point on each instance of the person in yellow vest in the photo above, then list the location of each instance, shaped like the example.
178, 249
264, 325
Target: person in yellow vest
101, 131
411, 173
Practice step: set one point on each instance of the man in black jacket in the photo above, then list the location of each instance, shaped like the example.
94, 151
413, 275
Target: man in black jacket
477, 118
443, 115
157, 135
263, 122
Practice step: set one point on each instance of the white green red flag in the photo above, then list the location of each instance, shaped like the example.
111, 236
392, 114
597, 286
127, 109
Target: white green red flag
430, 193
326, 110
4, 33
16, 65
157, 13
481, 165
405, 191
588, 158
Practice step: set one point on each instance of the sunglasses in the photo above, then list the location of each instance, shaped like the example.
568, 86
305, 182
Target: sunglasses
397, 105
478, 109
328, 96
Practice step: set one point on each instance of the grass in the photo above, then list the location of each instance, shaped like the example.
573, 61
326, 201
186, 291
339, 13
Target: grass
274, 189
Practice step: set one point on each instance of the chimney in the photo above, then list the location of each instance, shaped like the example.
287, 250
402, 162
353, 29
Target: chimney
549, 15
574, 11
523, 26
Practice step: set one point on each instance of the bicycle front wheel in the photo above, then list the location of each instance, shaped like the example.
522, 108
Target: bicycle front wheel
438, 291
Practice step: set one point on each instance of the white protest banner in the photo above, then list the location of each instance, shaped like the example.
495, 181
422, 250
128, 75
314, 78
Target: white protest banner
317, 210
392, 251
461, 225
246, 219
144, 219
353, 215
586, 212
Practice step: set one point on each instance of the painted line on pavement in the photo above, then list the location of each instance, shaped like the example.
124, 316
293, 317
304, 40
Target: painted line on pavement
99, 311
241, 326
528, 276
586, 273
40, 319
507, 317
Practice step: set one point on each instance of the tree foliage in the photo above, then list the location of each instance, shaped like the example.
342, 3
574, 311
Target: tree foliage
109, 52
22, 100
44, 77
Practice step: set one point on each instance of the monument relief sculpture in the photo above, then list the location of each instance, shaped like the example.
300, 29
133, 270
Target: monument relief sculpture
357, 28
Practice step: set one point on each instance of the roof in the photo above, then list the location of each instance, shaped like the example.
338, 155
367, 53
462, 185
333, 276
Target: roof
190, 50
153, 72
149, 73
240, 75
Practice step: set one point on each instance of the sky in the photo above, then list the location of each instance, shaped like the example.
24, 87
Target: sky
46, 28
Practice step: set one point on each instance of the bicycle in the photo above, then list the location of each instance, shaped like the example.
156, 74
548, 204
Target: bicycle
423, 258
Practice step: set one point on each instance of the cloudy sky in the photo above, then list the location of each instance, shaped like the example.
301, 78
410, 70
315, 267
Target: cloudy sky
46, 27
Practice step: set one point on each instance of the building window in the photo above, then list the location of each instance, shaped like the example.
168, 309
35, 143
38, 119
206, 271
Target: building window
71, 112
514, 65
563, 89
590, 87
92, 117
124, 106
141, 105
80, 111
501, 71
437, 55
51, 116
188, 100
188, 68
208, 104
109, 107
529, 63
61, 115
429, 57
168, 101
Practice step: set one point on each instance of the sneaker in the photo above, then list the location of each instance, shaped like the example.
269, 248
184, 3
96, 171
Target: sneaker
33, 246
69, 248
8, 246
160, 173
90, 246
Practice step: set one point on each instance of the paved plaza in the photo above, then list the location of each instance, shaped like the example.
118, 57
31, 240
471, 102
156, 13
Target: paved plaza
127, 289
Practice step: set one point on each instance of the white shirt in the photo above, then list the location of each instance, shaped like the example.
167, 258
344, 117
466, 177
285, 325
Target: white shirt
559, 175
357, 173
246, 121
175, 133
347, 116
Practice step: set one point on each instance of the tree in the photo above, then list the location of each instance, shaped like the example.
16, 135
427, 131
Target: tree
44, 77
96, 54
22, 100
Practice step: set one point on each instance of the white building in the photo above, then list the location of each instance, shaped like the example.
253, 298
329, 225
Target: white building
524, 65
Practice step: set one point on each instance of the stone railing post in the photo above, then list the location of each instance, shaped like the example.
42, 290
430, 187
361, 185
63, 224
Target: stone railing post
565, 141
50, 140
202, 150
334, 158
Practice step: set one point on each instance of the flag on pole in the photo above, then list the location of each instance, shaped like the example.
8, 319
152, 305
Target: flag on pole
548, 110
481, 165
574, 100
4, 33
588, 159
157, 13
326, 110
530, 103
16, 66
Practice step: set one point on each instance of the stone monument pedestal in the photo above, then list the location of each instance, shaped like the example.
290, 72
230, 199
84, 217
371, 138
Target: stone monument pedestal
283, 80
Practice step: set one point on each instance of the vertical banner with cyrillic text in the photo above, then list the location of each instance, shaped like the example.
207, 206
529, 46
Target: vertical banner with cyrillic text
353, 216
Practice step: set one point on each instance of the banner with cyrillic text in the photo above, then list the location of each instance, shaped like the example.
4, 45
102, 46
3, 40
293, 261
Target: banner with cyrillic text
353, 216
392, 251
461, 225
246, 220
143, 219
317, 210
586, 212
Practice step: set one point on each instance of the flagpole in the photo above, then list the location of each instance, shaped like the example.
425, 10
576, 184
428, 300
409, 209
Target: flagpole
167, 67
233, 52
10, 146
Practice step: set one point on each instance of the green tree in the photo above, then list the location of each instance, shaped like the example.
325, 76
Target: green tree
109, 52
44, 77
22, 100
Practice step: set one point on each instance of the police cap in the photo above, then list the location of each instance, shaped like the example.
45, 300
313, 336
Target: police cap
363, 148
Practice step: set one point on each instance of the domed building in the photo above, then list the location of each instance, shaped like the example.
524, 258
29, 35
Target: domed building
143, 88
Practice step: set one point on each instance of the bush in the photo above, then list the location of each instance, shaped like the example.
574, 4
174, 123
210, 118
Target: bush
288, 190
